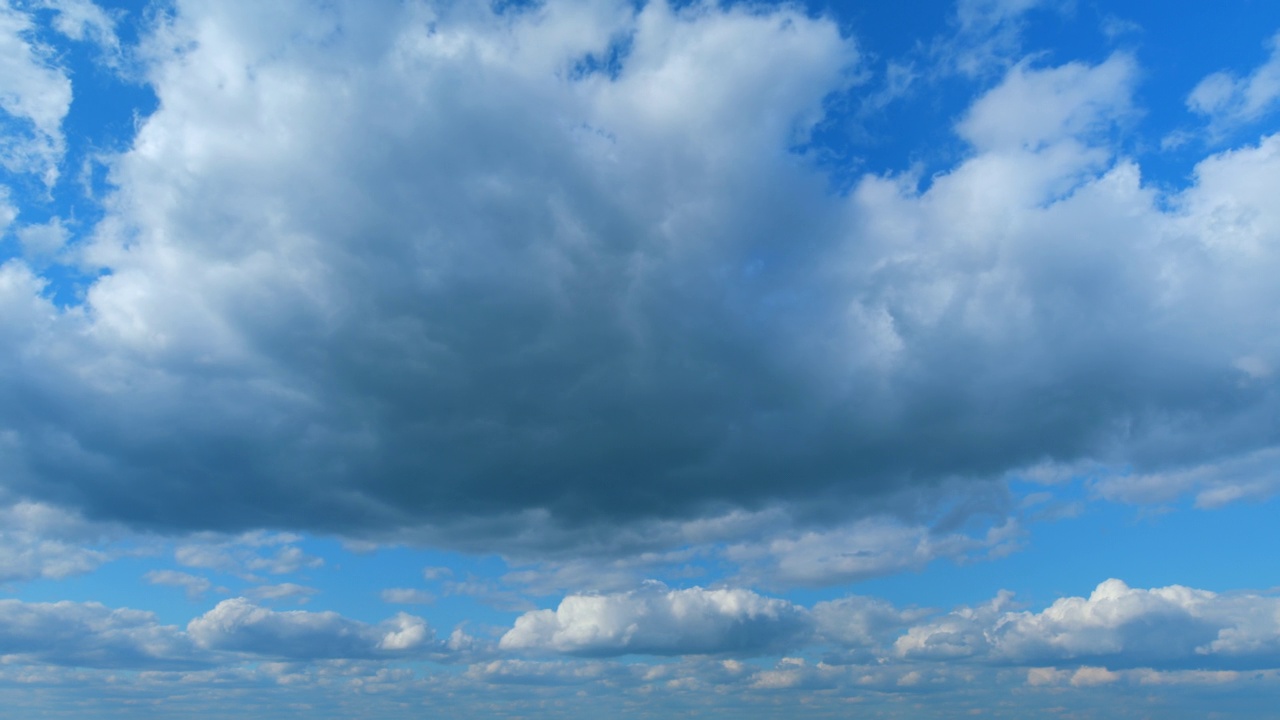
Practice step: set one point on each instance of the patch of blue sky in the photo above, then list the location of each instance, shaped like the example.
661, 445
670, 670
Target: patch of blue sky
108, 102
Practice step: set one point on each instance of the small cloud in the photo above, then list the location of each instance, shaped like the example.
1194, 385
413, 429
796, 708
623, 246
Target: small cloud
1115, 27
284, 591
45, 240
194, 585
407, 596
436, 573
1091, 676
1229, 100
271, 553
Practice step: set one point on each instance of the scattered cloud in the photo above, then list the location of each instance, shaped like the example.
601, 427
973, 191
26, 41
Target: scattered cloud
35, 96
283, 591
238, 625
90, 635
407, 596
247, 554
1228, 100
657, 620
194, 585
38, 540
1117, 626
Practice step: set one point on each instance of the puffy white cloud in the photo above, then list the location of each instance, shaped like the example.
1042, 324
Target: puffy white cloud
90, 635
960, 634
85, 20
1230, 100
44, 240
240, 626
42, 541
858, 621
656, 620
35, 96
8, 213
868, 548
1037, 107
1115, 627
246, 554
194, 585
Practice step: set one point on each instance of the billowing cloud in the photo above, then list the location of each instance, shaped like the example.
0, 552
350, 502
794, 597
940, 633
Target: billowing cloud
35, 95
1115, 627
656, 620
91, 635
240, 626
42, 541
1230, 100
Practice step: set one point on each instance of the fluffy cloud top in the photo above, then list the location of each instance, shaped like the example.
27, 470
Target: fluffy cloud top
1116, 626
656, 620
91, 635
1229, 100
34, 97
240, 626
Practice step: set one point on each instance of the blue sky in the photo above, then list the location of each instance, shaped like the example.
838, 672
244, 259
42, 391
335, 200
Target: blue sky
639, 359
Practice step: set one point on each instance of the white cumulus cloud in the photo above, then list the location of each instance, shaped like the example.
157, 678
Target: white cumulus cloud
657, 620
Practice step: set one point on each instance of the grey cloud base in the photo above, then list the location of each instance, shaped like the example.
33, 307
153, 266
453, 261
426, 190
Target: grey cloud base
427, 272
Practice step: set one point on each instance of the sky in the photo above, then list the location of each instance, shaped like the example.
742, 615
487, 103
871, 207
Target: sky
639, 359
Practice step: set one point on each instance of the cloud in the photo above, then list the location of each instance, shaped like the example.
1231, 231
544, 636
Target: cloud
448, 276
1034, 108
1227, 100
283, 591
1250, 476
246, 554
44, 240
656, 620
35, 96
41, 541
234, 632
194, 585
237, 625
868, 548
91, 635
1115, 627
407, 596
85, 20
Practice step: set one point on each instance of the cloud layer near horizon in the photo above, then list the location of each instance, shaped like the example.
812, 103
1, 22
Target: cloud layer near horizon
1116, 627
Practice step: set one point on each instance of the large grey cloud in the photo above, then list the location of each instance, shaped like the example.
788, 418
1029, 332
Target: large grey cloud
453, 268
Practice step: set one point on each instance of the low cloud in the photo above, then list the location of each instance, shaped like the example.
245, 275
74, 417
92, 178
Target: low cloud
238, 625
92, 635
1229, 100
656, 620
1117, 626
